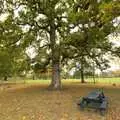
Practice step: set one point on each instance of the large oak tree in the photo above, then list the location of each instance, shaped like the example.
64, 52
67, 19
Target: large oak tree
50, 22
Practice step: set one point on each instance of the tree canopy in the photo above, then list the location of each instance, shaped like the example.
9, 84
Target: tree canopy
61, 29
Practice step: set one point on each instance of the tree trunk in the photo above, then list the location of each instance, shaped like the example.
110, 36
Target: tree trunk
82, 74
94, 73
33, 77
5, 78
56, 81
82, 71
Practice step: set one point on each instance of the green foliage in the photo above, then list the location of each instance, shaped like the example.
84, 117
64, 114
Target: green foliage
48, 25
6, 64
93, 28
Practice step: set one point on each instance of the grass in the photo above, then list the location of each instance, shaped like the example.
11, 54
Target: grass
34, 102
105, 80
89, 80
69, 81
38, 81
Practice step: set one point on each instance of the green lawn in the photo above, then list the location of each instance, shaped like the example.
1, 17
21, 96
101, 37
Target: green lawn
69, 81
105, 80
89, 80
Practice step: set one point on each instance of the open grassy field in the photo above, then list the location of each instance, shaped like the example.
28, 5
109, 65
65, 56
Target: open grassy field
33, 101
98, 80
105, 80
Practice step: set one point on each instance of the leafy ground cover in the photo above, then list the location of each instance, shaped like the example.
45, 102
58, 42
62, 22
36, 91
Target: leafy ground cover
36, 102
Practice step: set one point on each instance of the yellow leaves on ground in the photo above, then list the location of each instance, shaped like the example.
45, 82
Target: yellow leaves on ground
37, 103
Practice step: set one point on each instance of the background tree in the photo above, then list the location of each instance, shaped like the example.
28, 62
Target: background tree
12, 54
91, 23
6, 65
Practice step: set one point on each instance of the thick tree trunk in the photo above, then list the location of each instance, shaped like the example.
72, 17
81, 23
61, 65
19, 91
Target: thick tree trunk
56, 81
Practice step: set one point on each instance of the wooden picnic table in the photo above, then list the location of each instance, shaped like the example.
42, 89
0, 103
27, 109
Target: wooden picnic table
95, 99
